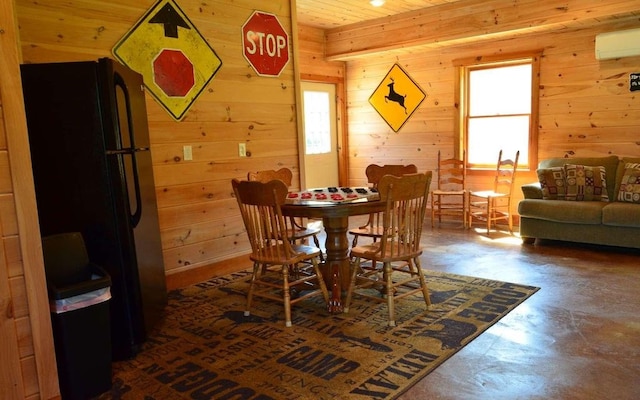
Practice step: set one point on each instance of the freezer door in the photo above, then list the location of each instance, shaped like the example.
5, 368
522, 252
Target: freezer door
132, 160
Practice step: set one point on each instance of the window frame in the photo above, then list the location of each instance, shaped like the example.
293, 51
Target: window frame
463, 66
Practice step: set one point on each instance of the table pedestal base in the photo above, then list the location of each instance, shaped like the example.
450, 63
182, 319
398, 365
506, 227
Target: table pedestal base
335, 218
336, 268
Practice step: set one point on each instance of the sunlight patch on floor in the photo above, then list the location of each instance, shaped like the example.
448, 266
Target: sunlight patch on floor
511, 333
499, 236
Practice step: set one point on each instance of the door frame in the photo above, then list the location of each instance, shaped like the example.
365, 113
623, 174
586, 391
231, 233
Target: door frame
341, 127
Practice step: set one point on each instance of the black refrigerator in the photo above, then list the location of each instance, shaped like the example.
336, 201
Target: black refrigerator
92, 171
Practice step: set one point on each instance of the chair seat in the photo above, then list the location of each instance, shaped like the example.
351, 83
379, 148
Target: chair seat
367, 231
449, 192
372, 252
277, 254
302, 233
488, 193
299, 234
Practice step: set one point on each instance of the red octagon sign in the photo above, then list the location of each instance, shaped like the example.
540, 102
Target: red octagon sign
265, 44
173, 73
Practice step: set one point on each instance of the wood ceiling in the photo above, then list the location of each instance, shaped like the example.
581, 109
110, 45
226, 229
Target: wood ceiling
327, 14
354, 28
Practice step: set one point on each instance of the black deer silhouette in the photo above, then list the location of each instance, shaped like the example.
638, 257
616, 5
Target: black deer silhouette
396, 97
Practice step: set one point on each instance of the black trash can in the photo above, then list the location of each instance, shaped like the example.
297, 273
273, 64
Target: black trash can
79, 294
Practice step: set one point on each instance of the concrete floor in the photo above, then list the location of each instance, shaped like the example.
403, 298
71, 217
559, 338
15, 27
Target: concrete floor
576, 338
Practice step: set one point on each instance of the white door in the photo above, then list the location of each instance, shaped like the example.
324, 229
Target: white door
320, 135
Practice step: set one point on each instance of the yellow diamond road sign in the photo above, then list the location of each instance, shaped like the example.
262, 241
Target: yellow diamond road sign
397, 97
175, 60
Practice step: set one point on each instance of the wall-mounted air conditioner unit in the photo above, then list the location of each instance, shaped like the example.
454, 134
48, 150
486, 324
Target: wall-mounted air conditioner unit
618, 44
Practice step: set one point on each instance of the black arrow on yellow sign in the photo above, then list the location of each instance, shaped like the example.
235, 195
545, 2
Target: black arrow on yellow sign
171, 20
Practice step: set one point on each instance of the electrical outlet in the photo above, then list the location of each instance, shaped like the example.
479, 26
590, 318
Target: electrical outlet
187, 153
242, 149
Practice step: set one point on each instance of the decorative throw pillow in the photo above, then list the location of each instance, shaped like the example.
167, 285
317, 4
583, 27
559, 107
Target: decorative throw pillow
586, 183
552, 182
630, 184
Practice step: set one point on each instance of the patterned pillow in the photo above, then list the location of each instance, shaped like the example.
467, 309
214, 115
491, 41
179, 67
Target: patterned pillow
586, 183
630, 184
553, 183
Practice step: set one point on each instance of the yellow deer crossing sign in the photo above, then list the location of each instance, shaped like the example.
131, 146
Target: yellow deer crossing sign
396, 97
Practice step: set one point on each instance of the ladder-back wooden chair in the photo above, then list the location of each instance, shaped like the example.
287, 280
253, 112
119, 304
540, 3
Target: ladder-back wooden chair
300, 231
491, 206
449, 198
398, 250
374, 172
282, 271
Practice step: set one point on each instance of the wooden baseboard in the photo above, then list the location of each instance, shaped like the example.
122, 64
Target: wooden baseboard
199, 274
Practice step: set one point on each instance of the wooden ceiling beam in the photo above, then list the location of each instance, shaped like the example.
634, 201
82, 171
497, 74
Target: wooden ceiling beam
469, 20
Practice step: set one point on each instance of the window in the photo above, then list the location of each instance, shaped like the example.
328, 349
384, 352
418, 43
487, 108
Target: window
317, 122
499, 111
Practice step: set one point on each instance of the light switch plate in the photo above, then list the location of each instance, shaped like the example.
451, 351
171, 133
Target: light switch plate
187, 153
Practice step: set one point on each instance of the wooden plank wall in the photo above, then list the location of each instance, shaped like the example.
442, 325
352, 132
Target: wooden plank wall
28, 368
14, 311
199, 218
586, 107
311, 50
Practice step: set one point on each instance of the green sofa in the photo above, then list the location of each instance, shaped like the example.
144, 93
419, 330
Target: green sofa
611, 223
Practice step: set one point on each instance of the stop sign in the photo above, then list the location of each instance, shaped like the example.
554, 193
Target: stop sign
265, 44
173, 73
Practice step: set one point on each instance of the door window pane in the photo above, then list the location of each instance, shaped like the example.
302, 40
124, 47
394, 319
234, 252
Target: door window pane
317, 122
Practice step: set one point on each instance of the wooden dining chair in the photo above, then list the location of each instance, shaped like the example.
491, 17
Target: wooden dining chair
398, 250
280, 268
449, 198
300, 231
493, 205
374, 172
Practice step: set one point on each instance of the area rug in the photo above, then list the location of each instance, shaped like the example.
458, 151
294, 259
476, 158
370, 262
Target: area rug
205, 348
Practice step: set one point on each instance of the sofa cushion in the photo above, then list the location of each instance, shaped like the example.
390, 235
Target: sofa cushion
629, 188
610, 164
577, 212
621, 214
621, 167
552, 181
586, 183
532, 190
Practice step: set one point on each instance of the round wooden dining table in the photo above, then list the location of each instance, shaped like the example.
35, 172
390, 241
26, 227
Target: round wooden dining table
335, 219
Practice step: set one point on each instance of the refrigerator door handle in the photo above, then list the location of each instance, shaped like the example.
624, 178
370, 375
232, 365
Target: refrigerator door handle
126, 151
136, 212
